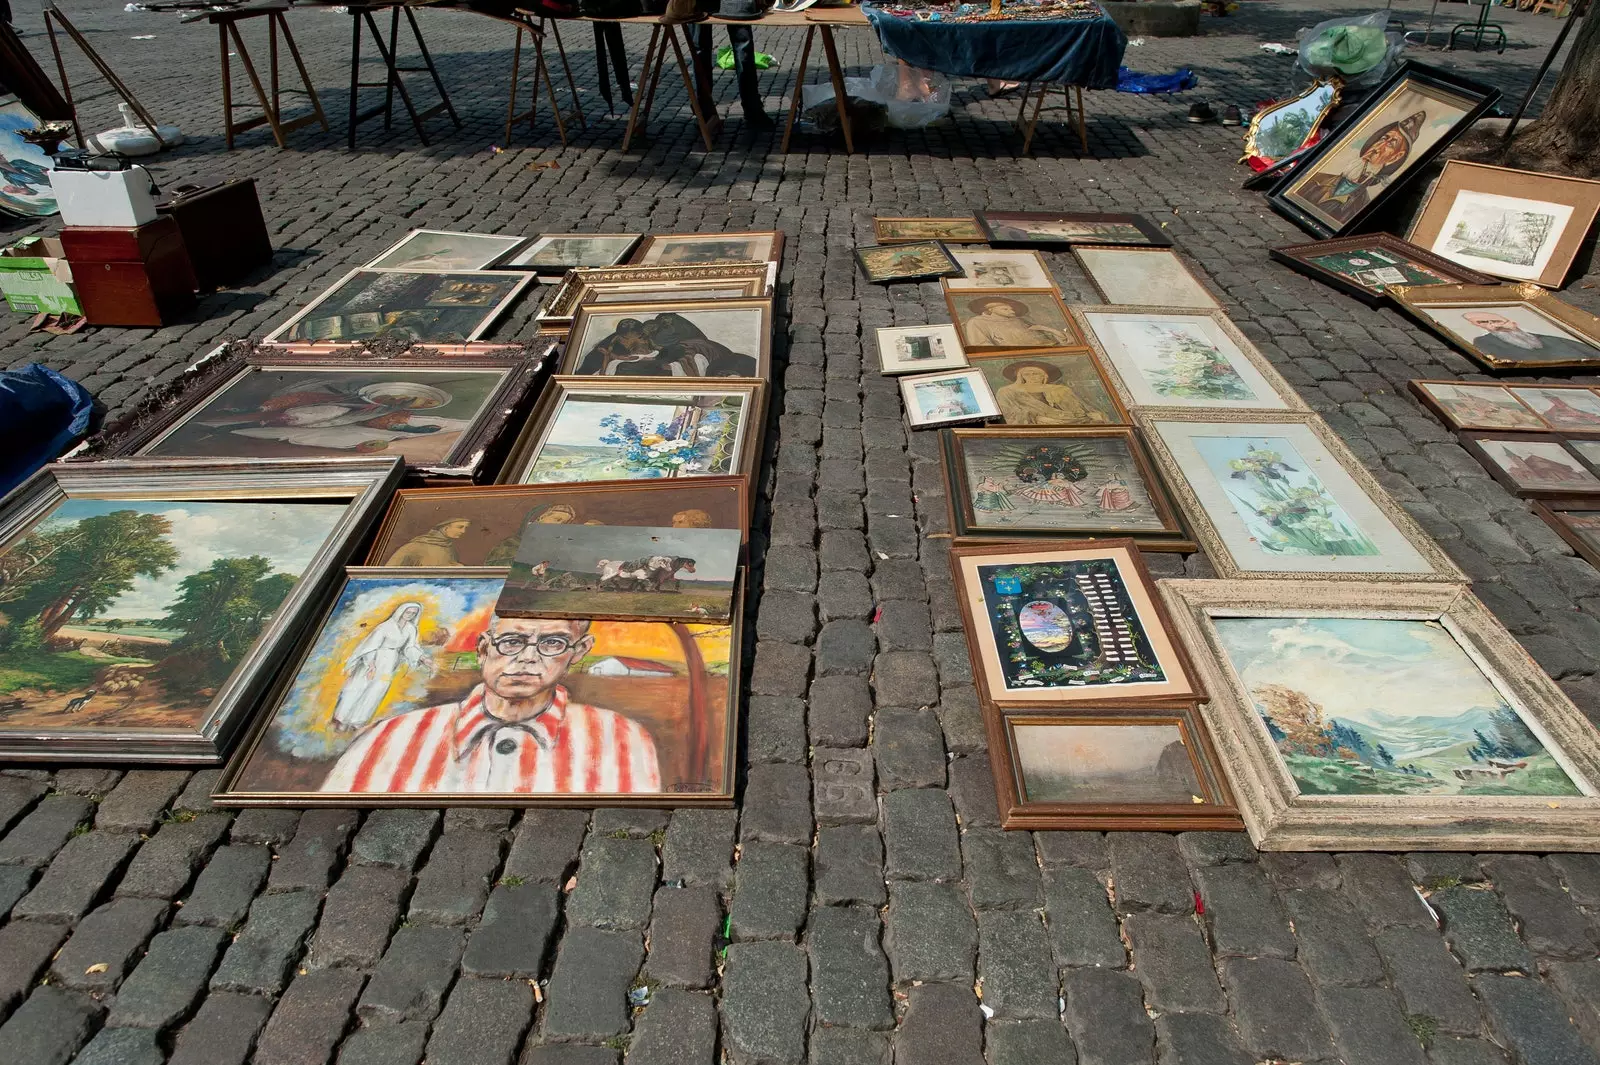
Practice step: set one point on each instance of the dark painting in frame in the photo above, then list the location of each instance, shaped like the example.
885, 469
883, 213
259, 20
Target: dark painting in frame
1389, 258
431, 307
923, 260
1065, 228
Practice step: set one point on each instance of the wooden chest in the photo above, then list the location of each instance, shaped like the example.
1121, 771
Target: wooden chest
136, 277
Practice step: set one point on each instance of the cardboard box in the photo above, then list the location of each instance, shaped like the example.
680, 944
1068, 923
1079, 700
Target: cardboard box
35, 277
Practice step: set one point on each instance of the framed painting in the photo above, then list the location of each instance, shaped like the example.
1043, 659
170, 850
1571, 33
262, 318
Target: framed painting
1577, 521
1510, 223
1064, 623
444, 419
1368, 266
1565, 408
410, 691
1284, 127
27, 191
1047, 387
432, 307
992, 268
1353, 716
622, 573
482, 526
145, 606
923, 260
1179, 357
683, 249
442, 251
1277, 495
708, 338
933, 399
1533, 466
1148, 277
593, 429
1012, 319
712, 281
1058, 484
919, 349
1509, 328
909, 230
1407, 120
556, 253
1473, 405
1064, 229
1112, 768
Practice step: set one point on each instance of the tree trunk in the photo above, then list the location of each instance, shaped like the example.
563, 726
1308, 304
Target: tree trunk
1566, 137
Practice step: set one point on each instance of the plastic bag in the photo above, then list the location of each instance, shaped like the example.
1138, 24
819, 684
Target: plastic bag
42, 413
911, 97
1361, 51
724, 60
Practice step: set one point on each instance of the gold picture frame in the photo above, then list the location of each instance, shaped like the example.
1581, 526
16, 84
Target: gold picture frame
1442, 309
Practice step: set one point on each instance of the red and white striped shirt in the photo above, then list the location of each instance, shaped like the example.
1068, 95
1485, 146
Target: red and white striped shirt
571, 748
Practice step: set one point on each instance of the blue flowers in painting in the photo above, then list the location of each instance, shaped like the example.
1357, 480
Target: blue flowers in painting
685, 444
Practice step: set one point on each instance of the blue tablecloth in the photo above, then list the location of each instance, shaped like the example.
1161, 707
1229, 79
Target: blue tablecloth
1083, 52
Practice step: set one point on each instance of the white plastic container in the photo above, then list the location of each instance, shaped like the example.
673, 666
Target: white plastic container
116, 198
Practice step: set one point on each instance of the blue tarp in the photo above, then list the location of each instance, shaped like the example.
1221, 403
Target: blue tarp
1178, 81
1082, 52
41, 413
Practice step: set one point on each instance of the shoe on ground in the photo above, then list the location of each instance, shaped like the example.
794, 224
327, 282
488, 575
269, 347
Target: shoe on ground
760, 122
1201, 112
1231, 116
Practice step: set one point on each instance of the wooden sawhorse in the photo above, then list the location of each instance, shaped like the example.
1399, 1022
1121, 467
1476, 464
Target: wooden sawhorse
392, 81
835, 74
525, 23
227, 24
662, 34
1026, 126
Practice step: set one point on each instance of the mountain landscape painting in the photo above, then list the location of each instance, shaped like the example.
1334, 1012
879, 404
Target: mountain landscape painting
1360, 706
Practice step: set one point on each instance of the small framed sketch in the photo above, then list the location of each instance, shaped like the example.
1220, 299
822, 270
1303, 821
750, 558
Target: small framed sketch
1467, 405
1051, 387
1148, 277
1064, 229
1063, 623
1011, 484
684, 249
1368, 266
1510, 223
556, 253
1275, 494
1398, 717
692, 338
1108, 768
441, 251
947, 398
1012, 319
1510, 328
919, 349
432, 307
1577, 521
1533, 466
991, 268
1178, 357
924, 260
908, 230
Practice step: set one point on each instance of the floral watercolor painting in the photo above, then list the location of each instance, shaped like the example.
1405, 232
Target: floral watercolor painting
1180, 362
1362, 706
621, 437
1286, 507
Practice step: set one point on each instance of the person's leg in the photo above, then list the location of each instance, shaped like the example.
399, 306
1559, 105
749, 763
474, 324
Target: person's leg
743, 40
702, 68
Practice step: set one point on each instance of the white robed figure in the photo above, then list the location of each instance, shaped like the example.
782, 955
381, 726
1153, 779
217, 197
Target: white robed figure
375, 664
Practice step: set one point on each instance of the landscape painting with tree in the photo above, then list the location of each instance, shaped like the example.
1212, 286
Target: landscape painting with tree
1385, 706
131, 614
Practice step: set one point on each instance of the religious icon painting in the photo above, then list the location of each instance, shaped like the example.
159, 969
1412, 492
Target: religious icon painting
622, 572
412, 691
1474, 405
1368, 266
1577, 521
429, 307
1057, 483
1066, 623
710, 338
441, 251
1533, 466
947, 398
911, 230
1050, 388
482, 526
147, 605
1507, 328
1012, 319
684, 249
924, 260
993, 268
919, 349
1152, 277
1406, 121
1063, 229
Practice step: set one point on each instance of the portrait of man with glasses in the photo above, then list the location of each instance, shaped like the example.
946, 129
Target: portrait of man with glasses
517, 731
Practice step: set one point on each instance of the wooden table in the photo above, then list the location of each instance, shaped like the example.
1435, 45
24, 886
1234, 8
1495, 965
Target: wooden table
227, 24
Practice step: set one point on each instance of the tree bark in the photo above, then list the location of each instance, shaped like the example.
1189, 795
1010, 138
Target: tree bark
1566, 137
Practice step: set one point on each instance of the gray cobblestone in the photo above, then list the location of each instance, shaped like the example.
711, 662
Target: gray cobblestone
49, 1028
777, 807
1149, 873
308, 861
260, 957
27, 947
769, 892
1014, 965
849, 974
44, 831
1199, 1039
546, 845
1322, 924
122, 1046
77, 876
838, 712
310, 1019
615, 882
411, 980
1106, 1017
1275, 1010
683, 930
765, 1003
930, 933
1531, 1022
105, 945
849, 865
395, 838
223, 891
223, 1032
358, 915
168, 979
942, 1026
1479, 931
163, 867
482, 1023
136, 803
920, 838
1368, 1027
1174, 964
909, 749
842, 785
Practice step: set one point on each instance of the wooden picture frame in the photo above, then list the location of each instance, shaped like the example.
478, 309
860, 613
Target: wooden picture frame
1496, 450
1393, 119
618, 247
1496, 199
941, 344
1574, 343
748, 397
1208, 805
1314, 501
353, 490
1175, 277
1555, 514
576, 286
1016, 330
967, 398
1062, 229
1320, 98
667, 357
476, 251
1022, 267
677, 249
1389, 261
1468, 405
707, 749
1112, 586
1030, 406
1164, 532
909, 230
882, 264
1413, 815
370, 324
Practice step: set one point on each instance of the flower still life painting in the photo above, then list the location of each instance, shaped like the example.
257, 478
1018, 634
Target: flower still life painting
602, 437
413, 686
1185, 359
1284, 505
1385, 706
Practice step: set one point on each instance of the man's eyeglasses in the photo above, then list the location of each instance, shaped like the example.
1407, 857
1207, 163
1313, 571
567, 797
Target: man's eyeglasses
551, 645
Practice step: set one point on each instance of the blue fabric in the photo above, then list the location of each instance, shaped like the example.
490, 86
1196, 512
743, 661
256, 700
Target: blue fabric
42, 413
1133, 81
1082, 52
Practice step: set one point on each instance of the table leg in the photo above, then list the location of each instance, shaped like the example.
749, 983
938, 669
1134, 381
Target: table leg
1022, 110
390, 61
255, 83
355, 72
543, 74
836, 72
644, 81
799, 88
690, 88
572, 86
427, 59
1083, 120
395, 84
300, 66
227, 88
1033, 123
272, 54
511, 105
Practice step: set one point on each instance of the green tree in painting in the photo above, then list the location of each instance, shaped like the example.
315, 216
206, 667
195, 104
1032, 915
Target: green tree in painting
220, 611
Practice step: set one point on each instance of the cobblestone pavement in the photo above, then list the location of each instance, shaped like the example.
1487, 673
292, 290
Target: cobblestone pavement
863, 881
